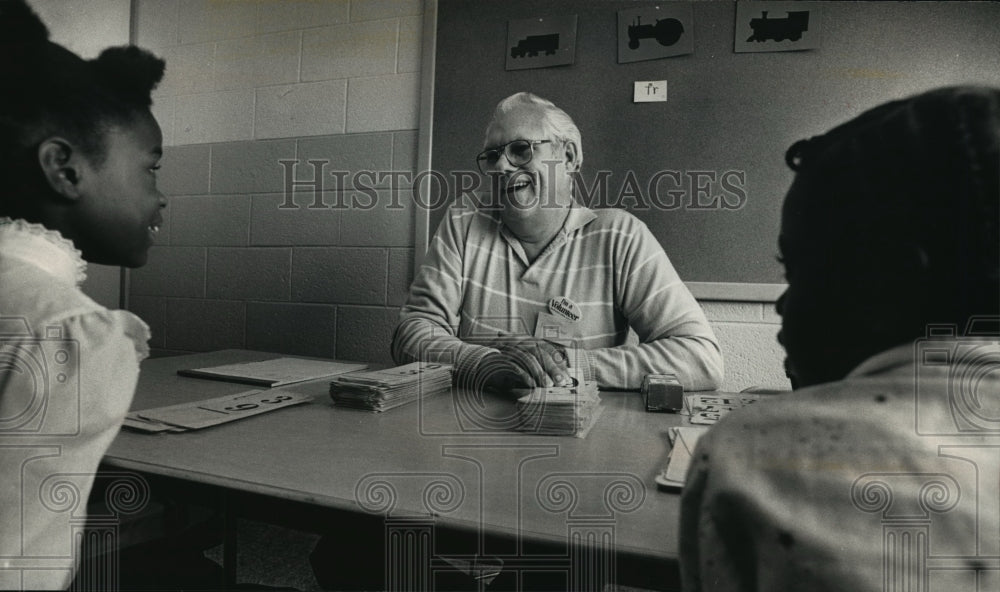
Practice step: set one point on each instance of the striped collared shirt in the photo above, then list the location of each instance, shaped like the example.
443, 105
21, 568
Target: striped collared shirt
604, 265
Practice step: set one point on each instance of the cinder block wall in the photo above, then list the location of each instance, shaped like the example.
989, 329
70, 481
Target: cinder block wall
748, 334
250, 83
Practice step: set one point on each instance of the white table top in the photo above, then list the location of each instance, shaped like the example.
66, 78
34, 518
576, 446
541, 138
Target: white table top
424, 458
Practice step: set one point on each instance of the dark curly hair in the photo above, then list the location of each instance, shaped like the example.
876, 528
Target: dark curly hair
905, 199
52, 91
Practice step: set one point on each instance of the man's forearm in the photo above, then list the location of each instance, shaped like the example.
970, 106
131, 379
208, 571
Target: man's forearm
696, 360
420, 339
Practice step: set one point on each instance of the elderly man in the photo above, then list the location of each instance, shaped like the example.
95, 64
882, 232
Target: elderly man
539, 286
533, 289
883, 474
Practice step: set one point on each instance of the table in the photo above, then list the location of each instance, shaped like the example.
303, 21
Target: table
437, 463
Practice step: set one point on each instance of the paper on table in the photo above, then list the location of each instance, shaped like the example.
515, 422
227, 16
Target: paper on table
275, 372
203, 414
133, 421
684, 440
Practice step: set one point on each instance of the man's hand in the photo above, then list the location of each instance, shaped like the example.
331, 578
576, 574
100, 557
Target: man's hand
524, 362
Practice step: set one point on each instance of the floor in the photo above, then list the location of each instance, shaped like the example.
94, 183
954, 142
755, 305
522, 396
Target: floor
279, 557
272, 556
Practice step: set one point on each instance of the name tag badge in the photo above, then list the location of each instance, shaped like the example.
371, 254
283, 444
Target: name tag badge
565, 308
561, 323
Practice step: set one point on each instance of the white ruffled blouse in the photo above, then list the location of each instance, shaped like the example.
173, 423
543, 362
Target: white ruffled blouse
68, 371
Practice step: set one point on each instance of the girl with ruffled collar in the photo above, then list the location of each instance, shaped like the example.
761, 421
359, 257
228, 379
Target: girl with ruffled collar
79, 149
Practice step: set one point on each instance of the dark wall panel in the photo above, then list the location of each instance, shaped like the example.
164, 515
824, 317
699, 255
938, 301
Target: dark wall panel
727, 112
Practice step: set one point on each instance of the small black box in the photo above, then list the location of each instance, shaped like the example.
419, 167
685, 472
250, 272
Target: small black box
662, 392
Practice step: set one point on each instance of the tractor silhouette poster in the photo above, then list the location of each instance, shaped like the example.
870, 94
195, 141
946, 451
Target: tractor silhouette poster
777, 26
657, 31
541, 42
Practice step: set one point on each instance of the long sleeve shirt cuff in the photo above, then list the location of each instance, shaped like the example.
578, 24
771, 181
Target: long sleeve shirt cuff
467, 364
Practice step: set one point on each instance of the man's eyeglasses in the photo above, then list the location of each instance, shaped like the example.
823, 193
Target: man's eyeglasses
517, 152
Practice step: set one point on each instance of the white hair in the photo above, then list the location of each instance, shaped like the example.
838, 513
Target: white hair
557, 123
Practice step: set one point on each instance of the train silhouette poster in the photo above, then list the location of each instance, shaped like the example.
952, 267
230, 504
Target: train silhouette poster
657, 31
777, 26
541, 42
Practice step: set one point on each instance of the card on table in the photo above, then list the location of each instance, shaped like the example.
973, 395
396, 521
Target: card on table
410, 373
203, 414
710, 408
133, 421
684, 440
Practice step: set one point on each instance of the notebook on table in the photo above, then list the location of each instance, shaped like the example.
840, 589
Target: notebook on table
274, 372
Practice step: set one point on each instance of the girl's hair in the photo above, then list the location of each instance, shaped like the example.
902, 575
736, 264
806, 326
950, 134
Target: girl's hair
558, 124
52, 91
919, 175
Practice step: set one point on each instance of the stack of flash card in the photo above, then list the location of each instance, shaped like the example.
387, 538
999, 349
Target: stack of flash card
561, 410
381, 390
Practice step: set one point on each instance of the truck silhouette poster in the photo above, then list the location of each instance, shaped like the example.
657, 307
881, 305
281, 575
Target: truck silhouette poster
777, 26
653, 32
541, 42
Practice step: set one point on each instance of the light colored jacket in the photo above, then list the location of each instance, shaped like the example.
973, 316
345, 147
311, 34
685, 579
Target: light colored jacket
886, 480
